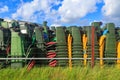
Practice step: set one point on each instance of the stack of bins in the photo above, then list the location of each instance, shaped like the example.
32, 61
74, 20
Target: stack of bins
40, 51
76, 46
61, 46
88, 32
17, 51
51, 45
110, 48
96, 45
3, 53
97, 25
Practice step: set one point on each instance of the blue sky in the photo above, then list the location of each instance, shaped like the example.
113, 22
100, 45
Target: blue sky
62, 12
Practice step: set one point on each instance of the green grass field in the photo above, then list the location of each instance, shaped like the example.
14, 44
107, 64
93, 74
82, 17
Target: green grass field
61, 73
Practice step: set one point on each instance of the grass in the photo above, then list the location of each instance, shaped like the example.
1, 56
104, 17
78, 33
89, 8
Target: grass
61, 73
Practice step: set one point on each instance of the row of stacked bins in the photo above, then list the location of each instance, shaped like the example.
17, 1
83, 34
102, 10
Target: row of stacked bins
110, 44
77, 51
57, 45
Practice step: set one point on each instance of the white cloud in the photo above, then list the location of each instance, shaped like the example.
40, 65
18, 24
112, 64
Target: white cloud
33, 9
70, 11
37, 10
111, 8
56, 25
4, 9
111, 11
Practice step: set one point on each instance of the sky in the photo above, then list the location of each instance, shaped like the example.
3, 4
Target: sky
62, 12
